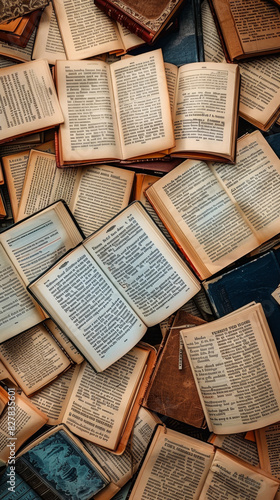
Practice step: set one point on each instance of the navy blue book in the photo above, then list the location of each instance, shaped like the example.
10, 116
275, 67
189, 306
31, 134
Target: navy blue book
253, 281
58, 467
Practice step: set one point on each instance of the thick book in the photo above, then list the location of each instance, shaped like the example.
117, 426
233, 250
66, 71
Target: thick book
100, 406
178, 466
247, 28
12, 9
172, 390
255, 280
122, 279
22, 32
28, 100
148, 20
26, 249
237, 370
125, 108
58, 466
217, 213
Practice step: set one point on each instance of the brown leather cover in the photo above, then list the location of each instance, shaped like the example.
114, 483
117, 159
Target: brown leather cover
11, 9
172, 392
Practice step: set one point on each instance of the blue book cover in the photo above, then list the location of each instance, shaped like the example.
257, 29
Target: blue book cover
62, 465
253, 281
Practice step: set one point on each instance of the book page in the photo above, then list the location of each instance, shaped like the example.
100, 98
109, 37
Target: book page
33, 358
236, 376
29, 100
88, 308
36, 243
268, 443
257, 23
175, 467
84, 89
17, 428
44, 184
231, 478
15, 169
100, 402
64, 341
201, 217
237, 445
129, 40
260, 90
86, 31
142, 104
171, 72
48, 42
120, 468
53, 398
17, 309
213, 50
140, 263
206, 105
103, 192
254, 184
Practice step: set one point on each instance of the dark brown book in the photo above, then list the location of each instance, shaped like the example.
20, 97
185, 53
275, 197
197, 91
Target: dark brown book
172, 391
148, 20
23, 31
12, 9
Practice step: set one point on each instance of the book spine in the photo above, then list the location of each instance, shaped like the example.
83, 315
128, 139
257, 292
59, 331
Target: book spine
35, 481
122, 18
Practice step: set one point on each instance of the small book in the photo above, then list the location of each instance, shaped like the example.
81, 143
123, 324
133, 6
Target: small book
58, 466
237, 206
236, 368
172, 389
122, 279
28, 100
247, 28
178, 466
148, 20
26, 249
22, 31
124, 106
12, 9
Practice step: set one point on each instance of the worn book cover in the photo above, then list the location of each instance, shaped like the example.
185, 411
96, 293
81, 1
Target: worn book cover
11, 9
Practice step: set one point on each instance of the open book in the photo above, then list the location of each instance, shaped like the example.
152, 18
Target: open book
94, 194
124, 106
178, 466
28, 100
247, 28
26, 250
205, 110
122, 279
268, 444
100, 406
237, 370
217, 213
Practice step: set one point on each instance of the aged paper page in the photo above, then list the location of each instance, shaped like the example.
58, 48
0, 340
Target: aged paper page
48, 43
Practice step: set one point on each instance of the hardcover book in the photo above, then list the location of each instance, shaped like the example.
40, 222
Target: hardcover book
12, 9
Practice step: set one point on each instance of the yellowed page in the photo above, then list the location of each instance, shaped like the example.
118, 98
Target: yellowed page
64, 341
93, 314
84, 89
33, 358
18, 310
268, 443
142, 104
232, 478
44, 184
237, 377
16, 429
205, 114
237, 445
48, 43
53, 398
129, 40
260, 90
30, 99
15, 168
201, 217
171, 72
127, 250
175, 467
86, 31
103, 191
213, 50
100, 402
254, 183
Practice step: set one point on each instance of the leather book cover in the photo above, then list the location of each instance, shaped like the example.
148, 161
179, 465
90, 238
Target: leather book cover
11, 9
20, 36
172, 391
147, 19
